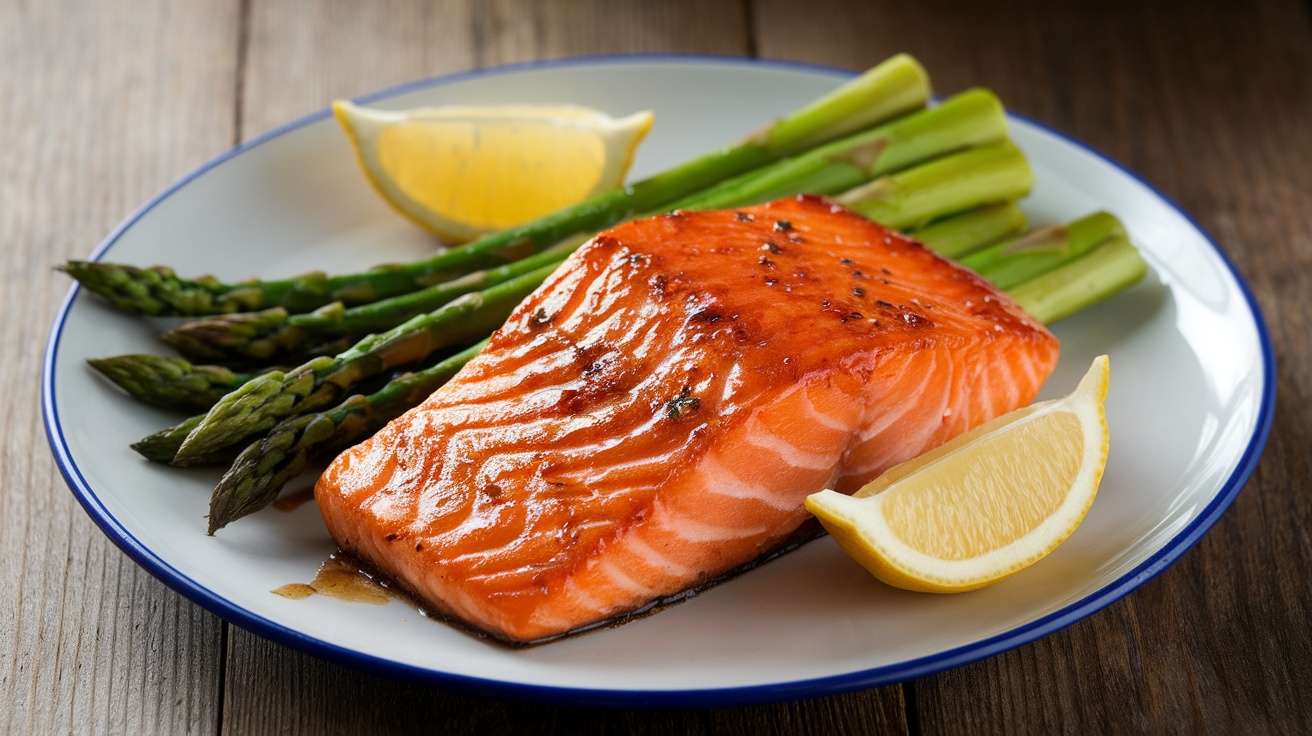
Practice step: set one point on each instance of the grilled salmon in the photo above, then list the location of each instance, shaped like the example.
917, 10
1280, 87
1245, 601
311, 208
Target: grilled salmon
655, 414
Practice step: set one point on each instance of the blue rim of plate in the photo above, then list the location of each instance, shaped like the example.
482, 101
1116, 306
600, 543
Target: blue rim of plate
743, 695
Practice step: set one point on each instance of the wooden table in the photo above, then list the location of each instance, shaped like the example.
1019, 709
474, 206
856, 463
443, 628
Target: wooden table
105, 103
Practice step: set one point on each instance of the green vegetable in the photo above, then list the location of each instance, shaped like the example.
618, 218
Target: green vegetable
1016, 261
263, 402
960, 234
1102, 273
955, 183
274, 333
171, 383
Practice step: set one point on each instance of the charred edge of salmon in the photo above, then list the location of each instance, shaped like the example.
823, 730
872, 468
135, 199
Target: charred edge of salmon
809, 530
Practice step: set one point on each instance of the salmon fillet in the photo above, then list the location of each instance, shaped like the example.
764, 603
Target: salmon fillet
655, 414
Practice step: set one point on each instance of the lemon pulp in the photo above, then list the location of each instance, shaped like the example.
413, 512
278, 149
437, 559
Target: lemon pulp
465, 171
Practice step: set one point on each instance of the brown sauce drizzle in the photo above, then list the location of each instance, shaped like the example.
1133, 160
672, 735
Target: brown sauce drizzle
342, 578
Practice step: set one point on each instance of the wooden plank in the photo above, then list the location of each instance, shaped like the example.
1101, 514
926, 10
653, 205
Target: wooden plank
513, 31
301, 56
105, 103
1209, 102
300, 694
304, 55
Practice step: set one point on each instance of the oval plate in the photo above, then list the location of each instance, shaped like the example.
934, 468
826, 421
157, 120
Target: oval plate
1190, 408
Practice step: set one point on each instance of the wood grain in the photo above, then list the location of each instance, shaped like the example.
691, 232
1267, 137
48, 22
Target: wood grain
104, 105
108, 102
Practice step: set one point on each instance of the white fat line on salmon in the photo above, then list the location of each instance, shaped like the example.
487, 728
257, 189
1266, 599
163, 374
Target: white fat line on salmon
504, 578
759, 436
887, 416
697, 532
480, 428
622, 579
729, 485
933, 408
828, 421
658, 560
571, 590
867, 467
894, 445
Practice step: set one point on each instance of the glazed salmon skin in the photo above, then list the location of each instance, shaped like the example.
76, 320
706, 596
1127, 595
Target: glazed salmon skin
655, 414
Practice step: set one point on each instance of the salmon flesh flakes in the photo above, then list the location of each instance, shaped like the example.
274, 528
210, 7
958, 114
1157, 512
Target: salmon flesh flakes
653, 417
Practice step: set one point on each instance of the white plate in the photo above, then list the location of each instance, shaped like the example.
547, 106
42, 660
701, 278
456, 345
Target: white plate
1190, 407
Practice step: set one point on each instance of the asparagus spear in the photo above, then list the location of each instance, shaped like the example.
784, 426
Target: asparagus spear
255, 479
1023, 259
171, 383
264, 466
961, 234
889, 90
273, 332
915, 197
1016, 261
1103, 272
972, 118
262, 403
162, 446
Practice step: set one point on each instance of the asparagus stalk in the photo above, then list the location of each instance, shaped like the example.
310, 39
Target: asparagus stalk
262, 469
273, 333
889, 90
171, 383
961, 234
915, 197
162, 446
1014, 262
262, 403
264, 466
972, 118
1104, 272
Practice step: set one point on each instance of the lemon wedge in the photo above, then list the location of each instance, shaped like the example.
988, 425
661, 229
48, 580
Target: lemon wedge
984, 506
464, 171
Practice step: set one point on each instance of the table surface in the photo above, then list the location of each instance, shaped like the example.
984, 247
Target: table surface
108, 102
